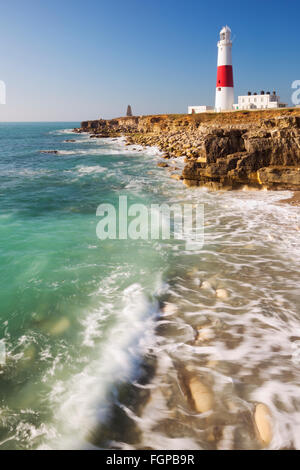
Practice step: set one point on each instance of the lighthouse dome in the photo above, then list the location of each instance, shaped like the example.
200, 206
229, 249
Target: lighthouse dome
225, 29
225, 33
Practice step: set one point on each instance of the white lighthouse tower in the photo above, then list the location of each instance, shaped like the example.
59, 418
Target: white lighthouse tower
224, 90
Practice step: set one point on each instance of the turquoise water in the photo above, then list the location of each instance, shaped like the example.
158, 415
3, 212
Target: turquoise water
62, 290
81, 317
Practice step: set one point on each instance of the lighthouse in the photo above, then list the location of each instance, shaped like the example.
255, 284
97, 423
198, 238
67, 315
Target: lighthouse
224, 90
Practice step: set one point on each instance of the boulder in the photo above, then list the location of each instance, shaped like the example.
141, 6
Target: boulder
280, 177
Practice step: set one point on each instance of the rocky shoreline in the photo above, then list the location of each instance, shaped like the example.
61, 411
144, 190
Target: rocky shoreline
226, 151
257, 149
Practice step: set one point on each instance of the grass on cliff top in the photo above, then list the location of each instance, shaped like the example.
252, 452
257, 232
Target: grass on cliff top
231, 117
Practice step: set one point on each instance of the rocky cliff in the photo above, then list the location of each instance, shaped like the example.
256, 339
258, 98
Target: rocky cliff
227, 150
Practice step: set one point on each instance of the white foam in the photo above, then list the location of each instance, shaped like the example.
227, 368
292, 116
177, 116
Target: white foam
114, 360
66, 131
87, 170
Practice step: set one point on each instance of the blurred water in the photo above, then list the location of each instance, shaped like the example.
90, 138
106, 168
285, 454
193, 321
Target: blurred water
100, 335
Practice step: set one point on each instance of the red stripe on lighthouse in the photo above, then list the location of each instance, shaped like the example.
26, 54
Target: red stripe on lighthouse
225, 76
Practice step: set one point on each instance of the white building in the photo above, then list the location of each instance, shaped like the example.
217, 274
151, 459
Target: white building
262, 101
199, 109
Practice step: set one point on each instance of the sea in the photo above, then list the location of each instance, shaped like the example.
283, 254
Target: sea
99, 338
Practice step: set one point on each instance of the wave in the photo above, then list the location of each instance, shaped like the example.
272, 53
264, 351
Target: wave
25, 172
65, 131
88, 170
115, 361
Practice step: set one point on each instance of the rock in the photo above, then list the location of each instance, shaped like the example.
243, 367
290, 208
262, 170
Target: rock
206, 285
70, 140
176, 177
169, 309
162, 165
257, 149
203, 334
279, 177
263, 423
294, 200
202, 397
201, 160
54, 152
222, 294
29, 355
60, 327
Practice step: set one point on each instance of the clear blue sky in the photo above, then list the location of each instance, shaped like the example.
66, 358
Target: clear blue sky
71, 60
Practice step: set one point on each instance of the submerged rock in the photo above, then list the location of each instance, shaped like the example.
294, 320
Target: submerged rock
176, 177
54, 152
206, 285
263, 423
60, 327
294, 200
222, 294
169, 309
201, 395
204, 333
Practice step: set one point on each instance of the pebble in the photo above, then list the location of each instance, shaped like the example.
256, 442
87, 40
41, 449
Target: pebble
206, 285
201, 395
262, 419
222, 294
169, 309
204, 334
